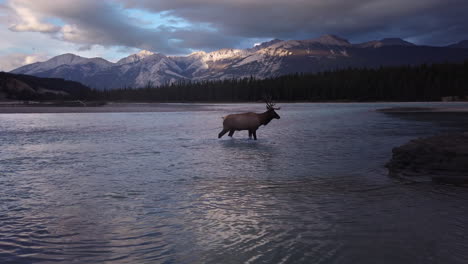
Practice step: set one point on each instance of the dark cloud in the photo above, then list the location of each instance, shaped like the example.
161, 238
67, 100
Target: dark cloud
428, 21
213, 24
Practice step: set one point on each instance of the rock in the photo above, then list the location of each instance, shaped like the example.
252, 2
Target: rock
442, 158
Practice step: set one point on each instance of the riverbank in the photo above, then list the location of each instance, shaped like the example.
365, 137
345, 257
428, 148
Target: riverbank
110, 107
404, 110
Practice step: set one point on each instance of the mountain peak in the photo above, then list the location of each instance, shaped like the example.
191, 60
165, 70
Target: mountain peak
331, 39
72, 59
197, 53
223, 54
144, 53
461, 45
66, 55
266, 44
386, 42
64, 59
67, 58
396, 42
136, 57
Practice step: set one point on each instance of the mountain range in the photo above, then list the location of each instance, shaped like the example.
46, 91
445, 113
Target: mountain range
268, 59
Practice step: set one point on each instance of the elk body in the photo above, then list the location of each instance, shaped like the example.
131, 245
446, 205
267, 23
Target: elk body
248, 121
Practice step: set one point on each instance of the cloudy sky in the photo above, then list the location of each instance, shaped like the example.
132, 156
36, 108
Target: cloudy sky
35, 30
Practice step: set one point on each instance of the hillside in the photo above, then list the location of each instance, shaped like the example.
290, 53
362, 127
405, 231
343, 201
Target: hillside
26, 87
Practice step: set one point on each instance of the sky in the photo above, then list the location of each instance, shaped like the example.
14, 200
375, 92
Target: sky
36, 30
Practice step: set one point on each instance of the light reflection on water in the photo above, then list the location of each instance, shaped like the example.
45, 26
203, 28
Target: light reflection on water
160, 187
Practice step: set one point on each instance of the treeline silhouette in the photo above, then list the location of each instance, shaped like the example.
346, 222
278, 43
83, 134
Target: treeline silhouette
406, 83
27, 87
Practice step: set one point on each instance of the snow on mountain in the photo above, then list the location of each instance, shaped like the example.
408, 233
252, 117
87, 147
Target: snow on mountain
65, 60
68, 59
194, 64
265, 44
157, 69
135, 57
268, 59
223, 54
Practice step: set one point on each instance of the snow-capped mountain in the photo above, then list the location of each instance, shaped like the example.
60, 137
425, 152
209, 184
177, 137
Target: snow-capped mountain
268, 59
135, 57
63, 60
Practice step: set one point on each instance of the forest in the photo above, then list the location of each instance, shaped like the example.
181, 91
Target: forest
404, 83
407, 83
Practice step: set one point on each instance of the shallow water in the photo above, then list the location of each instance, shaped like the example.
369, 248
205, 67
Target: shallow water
159, 187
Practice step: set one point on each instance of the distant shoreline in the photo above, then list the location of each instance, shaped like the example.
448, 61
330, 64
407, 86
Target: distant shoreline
18, 108
12, 107
402, 110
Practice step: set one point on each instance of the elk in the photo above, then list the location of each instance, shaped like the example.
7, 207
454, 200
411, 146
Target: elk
249, 121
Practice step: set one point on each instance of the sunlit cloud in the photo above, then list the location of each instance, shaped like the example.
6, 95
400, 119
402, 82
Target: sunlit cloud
183, 26
15, 60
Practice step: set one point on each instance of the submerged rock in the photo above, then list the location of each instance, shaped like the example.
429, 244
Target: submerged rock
442, 158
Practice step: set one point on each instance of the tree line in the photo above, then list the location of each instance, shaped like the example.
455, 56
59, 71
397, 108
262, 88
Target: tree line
404, 83
27, 87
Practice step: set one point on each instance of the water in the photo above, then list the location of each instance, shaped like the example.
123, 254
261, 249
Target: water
159, 187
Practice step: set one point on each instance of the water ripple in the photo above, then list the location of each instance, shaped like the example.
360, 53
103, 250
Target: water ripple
161, 188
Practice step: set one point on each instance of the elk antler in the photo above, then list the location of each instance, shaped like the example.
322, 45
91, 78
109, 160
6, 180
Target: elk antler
269, 103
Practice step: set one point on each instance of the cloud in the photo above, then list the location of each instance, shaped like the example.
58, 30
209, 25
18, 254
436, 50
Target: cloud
15, 60
106, 23
27, 20
354, 19
180, 26
35, 43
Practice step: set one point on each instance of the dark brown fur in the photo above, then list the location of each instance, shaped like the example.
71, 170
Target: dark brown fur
248, 121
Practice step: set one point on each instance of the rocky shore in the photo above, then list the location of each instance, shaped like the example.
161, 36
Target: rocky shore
442, 159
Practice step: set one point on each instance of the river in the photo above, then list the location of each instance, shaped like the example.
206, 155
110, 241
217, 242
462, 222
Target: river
159, 187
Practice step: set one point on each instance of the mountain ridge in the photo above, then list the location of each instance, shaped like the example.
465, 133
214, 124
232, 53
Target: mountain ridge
268, 59
460, 45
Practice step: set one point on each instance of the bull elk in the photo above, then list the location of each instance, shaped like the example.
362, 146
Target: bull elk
249, 121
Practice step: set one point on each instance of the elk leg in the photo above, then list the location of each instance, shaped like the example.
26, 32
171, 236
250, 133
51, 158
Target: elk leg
224, 131
231, 133
250, 134
255, 134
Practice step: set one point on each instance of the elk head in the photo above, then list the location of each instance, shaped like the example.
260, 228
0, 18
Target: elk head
270, 106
